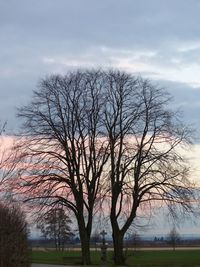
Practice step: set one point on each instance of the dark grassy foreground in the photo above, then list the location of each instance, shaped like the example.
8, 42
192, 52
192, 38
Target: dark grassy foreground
165, 259
55, 257
184, 258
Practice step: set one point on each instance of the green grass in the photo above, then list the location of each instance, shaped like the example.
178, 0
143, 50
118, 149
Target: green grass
184, 258
46, 257
56, 257
165, 259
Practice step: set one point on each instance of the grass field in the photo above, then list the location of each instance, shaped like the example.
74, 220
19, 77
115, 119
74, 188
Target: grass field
190, 258
165, 259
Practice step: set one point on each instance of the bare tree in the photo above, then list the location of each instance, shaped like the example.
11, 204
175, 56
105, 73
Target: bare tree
146, 165
13, 237
173, 237
134, 240
96, 238
54, 224
3, 173
92, 134
7, 163
62, 151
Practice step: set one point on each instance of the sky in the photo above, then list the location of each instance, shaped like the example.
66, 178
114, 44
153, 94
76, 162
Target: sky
158, 40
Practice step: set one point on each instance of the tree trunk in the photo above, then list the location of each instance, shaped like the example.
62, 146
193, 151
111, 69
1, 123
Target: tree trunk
85, 240
119, 258
85, 248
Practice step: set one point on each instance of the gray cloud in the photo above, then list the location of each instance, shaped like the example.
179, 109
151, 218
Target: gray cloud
156, 39
127, 23
187, 99
145, 37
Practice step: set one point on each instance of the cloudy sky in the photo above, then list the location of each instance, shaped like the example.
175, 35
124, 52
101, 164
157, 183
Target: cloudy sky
156, 39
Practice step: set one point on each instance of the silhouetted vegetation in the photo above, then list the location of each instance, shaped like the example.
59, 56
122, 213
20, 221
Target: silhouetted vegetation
54, 225
13, 237
95, 135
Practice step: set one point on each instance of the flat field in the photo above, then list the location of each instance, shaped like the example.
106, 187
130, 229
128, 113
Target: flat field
179, 258
162, 258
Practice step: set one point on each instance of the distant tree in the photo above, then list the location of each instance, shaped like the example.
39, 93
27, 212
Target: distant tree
95, 238
2, 127
134, 240
155, 239
7, 161
13, 237
3, 172
173, 237
55, 225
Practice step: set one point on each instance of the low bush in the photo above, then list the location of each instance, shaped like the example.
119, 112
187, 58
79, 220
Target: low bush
13, 237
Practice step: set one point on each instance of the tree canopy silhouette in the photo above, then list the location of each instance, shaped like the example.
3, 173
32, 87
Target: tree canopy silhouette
91, 135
